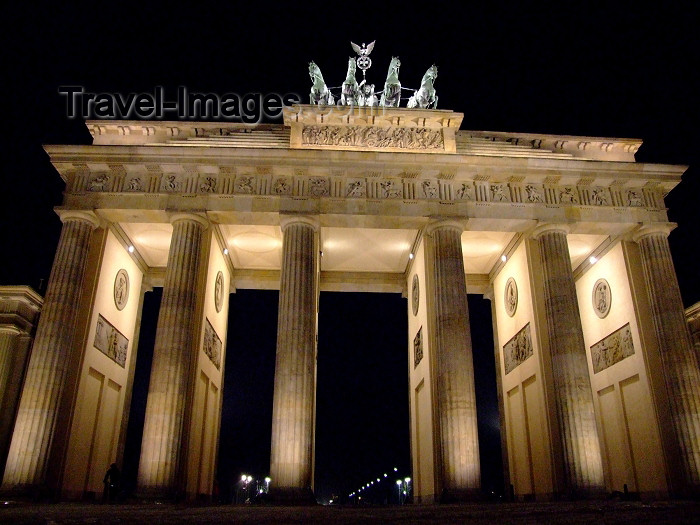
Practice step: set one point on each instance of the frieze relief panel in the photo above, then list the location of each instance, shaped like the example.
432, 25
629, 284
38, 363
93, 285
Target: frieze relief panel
373, 137
110, 341
212, 345
517, 349
418, 348
612, 349
373, 186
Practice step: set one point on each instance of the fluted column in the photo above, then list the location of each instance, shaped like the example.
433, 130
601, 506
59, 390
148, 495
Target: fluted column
174, 349
459, 470
680, 364
295, 368
583, 468
692, 316
25, 470
8, 336
14, 349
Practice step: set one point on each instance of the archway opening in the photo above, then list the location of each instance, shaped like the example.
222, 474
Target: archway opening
362, 413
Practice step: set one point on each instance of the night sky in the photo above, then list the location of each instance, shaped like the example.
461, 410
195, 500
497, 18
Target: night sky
589, 69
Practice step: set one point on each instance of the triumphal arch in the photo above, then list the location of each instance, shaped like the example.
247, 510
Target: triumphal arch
597, 382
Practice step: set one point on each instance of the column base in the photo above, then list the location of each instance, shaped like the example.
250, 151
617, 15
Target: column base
292, 497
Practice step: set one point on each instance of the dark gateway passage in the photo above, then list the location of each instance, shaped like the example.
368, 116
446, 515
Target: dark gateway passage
362, 416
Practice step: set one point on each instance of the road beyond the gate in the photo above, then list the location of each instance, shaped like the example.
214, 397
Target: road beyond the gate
608, 512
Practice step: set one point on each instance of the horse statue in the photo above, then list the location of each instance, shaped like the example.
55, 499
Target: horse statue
425, 97
391, 97
350, 89
320, 94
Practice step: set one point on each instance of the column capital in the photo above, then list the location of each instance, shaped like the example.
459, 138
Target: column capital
88, 216
546, 227
194, 217
11, 329
439, 224
653, 228
289, 219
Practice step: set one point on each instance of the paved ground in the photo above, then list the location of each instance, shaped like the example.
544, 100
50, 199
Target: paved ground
608, 512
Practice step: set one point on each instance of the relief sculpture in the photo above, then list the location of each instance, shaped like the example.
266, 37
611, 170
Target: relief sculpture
373, 137
390, 190
612, 349
110, 341
99, 183
518, 349
212, 345
418, 348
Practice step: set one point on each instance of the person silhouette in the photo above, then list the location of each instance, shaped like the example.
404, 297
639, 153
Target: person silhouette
111, 482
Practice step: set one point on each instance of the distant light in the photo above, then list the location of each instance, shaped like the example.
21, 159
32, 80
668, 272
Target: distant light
131, 248
250, 478
410, 256
385, 474
267, 480
377, 480
244, 478
407, 480
395, 469
225, 251
593, 259
398, 482
504, 258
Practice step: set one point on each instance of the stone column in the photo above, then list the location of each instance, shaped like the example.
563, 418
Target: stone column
692, 317
175, 346
457, 439
680, 364
583, 468
291, 461
25, 471
19, 312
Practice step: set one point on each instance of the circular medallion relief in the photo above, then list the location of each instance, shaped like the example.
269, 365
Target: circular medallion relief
121, 289
602, 298
510, 298
415, 295
219, 291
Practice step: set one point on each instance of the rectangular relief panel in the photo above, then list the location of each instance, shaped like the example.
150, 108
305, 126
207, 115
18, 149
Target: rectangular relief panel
517, 349
110, 341
212, 345
418, 348
612, 349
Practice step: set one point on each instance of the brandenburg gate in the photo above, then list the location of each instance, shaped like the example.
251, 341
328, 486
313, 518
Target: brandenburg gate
567, 236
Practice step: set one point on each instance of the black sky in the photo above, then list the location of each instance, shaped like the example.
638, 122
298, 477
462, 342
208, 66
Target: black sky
597, 69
